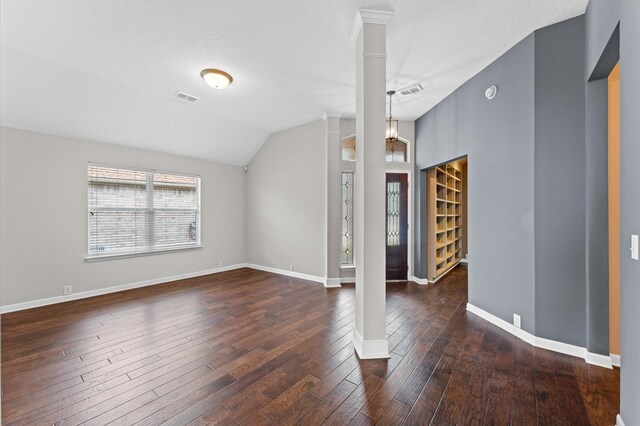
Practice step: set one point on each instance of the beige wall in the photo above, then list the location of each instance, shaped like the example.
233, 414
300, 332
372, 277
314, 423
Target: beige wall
44, 217
286, 201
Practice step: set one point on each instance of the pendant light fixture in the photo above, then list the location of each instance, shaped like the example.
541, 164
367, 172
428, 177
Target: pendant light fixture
392, 123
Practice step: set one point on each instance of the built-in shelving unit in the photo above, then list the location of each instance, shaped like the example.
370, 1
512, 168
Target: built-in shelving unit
444, 219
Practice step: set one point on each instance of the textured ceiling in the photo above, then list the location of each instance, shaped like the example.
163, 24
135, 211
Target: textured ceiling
107, 70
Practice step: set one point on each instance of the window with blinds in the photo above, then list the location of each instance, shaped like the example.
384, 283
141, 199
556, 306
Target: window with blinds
141, 211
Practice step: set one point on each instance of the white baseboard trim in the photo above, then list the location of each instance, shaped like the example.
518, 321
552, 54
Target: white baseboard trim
615, 360
464, 260
348, 280
287, 273
421, 281
370, 349
619, 421
599, 360
114, 289
552, 345
332, 283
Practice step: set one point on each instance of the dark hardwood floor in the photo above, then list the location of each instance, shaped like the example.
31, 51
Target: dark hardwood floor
250, 347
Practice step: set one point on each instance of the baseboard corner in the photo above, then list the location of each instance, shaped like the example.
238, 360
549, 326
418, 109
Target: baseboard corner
615, 360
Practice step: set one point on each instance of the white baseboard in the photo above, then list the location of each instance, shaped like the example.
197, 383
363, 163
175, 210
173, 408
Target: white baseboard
114, 289
421, 281
599, 360
348, 280
615, 360
552, 345
287, 273
370, 349
332, 282
619, 421
464, 260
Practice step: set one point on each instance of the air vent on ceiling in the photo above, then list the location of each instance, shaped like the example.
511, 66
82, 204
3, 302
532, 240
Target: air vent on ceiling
411, 90
186, 97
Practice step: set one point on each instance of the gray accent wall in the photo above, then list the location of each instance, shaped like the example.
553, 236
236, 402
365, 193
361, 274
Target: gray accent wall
490, 133
526, 179
560, 182
498, 138
597, 216
601, 18
630, 208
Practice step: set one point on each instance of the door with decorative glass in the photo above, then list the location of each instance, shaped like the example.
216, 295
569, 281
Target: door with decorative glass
397, 226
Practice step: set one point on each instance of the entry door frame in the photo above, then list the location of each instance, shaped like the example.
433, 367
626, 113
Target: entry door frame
409, 174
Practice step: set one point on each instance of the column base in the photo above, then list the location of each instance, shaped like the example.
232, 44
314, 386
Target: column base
332, 283
370, 349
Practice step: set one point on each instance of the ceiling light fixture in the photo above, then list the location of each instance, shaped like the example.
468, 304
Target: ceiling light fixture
217, 79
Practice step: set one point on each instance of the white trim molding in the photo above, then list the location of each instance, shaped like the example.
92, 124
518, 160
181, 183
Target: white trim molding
287, 273
552, 345
107, 290
615, 360
368, 16
332, 283
619, 421
370, 349
348, 280
330, 114
421, 281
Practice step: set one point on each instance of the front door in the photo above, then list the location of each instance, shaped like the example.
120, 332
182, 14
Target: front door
397, 226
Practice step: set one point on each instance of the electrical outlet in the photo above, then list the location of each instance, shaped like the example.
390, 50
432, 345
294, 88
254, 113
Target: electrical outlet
220, 264
516, 320
67, 290
291, 268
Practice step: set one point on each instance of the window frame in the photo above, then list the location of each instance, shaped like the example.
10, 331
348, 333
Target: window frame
149, 250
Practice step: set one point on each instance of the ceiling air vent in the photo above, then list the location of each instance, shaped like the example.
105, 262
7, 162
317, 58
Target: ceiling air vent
185, 97
411, 90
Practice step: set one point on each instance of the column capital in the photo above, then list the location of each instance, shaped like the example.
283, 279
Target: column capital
369, 16
330, 114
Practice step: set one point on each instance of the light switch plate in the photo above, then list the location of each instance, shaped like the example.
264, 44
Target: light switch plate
516, 320
634, 247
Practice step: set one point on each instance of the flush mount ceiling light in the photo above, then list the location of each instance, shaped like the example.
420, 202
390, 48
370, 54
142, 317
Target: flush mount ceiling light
217, 79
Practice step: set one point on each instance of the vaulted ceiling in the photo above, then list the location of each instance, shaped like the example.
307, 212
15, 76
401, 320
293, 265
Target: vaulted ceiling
107, 70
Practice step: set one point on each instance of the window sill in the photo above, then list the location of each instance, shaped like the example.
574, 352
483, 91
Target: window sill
100, 258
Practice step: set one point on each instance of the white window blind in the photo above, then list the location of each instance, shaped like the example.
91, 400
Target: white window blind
141, 211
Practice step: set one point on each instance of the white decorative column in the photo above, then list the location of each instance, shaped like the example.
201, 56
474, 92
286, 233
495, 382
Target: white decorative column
334, 200
369, 334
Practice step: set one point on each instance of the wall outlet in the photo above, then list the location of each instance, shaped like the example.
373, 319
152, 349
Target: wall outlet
220, 264
67, 290
291, 268
516, 320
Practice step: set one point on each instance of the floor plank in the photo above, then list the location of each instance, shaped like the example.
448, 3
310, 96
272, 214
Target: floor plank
250, 347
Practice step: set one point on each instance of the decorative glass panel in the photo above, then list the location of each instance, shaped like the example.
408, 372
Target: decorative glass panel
396, 151
349, 149
347, 219
393, 213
